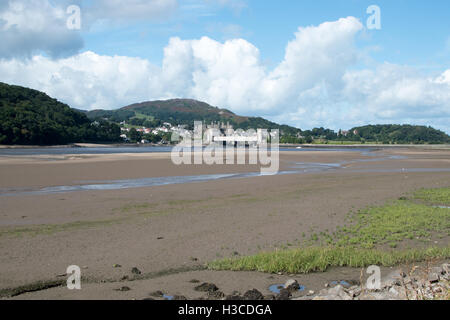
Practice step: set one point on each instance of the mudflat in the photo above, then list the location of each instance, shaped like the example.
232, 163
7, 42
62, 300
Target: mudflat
170, 231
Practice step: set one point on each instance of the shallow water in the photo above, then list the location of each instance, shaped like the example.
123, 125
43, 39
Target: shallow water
125, 149
133, 183
296, 168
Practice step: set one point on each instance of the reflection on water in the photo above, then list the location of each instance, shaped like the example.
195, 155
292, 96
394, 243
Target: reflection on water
78, 151
134, 183
295, 168
143, 149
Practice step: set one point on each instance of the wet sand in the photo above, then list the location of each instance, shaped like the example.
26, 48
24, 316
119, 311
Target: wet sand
182, 226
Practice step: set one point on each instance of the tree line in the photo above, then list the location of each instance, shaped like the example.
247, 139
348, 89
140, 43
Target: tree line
30, 117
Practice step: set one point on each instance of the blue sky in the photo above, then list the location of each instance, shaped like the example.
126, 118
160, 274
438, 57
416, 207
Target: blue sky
413, 32
304, 63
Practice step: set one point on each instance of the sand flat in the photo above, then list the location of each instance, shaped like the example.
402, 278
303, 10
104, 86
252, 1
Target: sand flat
185, 225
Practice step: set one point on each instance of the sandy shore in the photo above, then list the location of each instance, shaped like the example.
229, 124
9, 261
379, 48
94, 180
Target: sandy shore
185, 225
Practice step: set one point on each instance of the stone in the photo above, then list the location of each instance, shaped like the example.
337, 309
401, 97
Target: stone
123, 289
216, 295
311, 292
234, 297
157, 294
335, 290
206, 287
136, 271
284, 294
437, 270
179, 298
253, 295
292, 285
433, 277
339, 293
446, 268
393, 291
269, 297
356, 291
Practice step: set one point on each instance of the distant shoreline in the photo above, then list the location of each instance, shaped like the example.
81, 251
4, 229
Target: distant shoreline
79, 145
317, 146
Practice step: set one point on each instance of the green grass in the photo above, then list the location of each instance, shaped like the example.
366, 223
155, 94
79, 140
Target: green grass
320, 259
358, 243
392, 223
440, 196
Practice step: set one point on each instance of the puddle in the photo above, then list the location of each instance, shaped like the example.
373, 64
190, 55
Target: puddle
342, 283
276, 288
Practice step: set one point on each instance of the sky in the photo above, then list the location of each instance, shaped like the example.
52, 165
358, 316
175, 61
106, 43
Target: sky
306, 63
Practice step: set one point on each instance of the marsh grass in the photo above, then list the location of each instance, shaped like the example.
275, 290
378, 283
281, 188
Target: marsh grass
393, 223
358, 243
313, 259
439, 196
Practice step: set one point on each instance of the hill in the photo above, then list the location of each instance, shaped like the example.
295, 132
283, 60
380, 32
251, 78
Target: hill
184, 112
30, 117
400, 134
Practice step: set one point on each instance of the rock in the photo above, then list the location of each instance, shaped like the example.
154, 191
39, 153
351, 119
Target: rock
284, 294
310, 292
393, 291
206, 287
393, 279
290, 282
136, 271
292, 285
437, 270
446, 268
215, 295
335, 290
339, 292
269, 297
157, 294
253, 295
354, 291
433, 277
179, 298
123, 289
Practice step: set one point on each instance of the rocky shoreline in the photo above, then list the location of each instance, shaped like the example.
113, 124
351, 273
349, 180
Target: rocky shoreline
430, 283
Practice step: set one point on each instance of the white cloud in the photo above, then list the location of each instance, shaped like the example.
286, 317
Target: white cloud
316, 84
30, 26
87, 80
